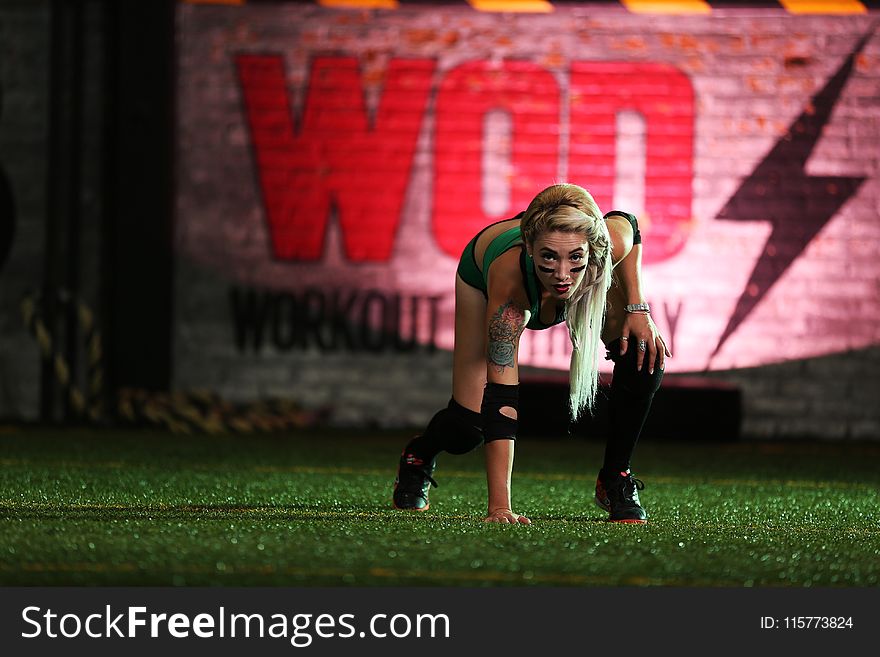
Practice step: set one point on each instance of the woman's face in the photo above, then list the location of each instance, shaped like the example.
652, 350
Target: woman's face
560, 260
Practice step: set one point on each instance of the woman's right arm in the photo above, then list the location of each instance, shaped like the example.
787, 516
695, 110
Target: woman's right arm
505, 321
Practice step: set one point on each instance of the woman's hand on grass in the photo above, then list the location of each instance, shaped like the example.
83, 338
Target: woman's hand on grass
506, 517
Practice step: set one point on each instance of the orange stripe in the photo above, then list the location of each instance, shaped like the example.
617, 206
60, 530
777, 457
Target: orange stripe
824, 6
362, 4
667, 6
512, 6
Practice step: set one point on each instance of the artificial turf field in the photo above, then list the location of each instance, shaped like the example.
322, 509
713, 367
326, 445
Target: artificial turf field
312, 508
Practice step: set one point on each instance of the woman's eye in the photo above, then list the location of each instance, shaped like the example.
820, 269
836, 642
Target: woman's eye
577, 257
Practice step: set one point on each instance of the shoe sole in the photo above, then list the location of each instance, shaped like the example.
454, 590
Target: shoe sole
405, 508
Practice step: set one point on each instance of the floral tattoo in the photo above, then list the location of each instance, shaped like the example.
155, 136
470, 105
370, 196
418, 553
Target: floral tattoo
505, 328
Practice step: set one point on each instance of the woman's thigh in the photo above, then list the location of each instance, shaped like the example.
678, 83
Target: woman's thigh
469, 354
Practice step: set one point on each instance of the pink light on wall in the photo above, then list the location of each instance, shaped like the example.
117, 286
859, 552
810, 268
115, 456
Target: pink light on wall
373, 164
530, 95
664, 97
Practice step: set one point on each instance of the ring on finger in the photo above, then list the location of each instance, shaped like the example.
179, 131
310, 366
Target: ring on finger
643, 344
624, 338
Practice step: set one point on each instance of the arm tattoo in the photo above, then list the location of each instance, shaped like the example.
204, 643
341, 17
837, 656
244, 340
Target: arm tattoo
505, 328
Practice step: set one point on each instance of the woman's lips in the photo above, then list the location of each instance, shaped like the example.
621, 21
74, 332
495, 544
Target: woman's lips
561, 288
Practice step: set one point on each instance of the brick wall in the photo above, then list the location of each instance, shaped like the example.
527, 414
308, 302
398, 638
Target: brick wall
796, 328
769, 278
24, 80
828, 397
25, 52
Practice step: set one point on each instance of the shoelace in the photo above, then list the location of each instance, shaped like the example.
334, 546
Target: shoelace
629, 485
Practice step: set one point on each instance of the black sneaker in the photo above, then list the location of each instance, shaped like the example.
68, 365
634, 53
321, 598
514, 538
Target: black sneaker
413, 482
620, 497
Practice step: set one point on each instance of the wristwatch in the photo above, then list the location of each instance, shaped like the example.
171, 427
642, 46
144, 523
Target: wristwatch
637, 308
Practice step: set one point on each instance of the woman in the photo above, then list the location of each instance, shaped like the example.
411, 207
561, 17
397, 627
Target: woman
549, 264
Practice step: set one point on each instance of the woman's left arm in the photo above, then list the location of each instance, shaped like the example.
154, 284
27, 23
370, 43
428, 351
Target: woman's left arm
627, 259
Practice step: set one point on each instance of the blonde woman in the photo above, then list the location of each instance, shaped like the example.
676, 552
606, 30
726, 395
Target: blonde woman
560, 260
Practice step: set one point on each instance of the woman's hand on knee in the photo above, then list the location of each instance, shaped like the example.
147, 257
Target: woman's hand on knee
506, 517
640, 329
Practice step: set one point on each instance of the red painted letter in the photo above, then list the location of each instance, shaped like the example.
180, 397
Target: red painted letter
665, 97
338, 156
531, 95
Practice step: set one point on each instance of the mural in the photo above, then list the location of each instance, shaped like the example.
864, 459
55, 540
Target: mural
334, 163
810, 202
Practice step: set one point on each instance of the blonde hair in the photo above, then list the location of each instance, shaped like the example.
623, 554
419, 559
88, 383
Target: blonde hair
570, 209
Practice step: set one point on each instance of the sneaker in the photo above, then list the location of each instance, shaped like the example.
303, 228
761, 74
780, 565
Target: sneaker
620, 497
413, 482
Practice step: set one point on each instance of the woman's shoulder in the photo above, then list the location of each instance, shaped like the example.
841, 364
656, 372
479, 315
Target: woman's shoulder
621, 233
491, 232
505, 277
494, 239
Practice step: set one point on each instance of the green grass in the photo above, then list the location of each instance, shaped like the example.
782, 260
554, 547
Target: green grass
148, 508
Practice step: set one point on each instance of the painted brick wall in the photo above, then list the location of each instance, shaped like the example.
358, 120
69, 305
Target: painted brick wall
773, 284
807, 368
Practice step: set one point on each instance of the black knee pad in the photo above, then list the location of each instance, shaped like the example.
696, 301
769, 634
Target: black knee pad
627, 378
496, 425
460, 428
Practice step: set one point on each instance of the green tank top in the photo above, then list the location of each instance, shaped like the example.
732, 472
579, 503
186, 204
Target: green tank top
504, 242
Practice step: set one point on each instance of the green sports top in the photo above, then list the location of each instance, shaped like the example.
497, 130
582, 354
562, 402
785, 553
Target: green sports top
473, 276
